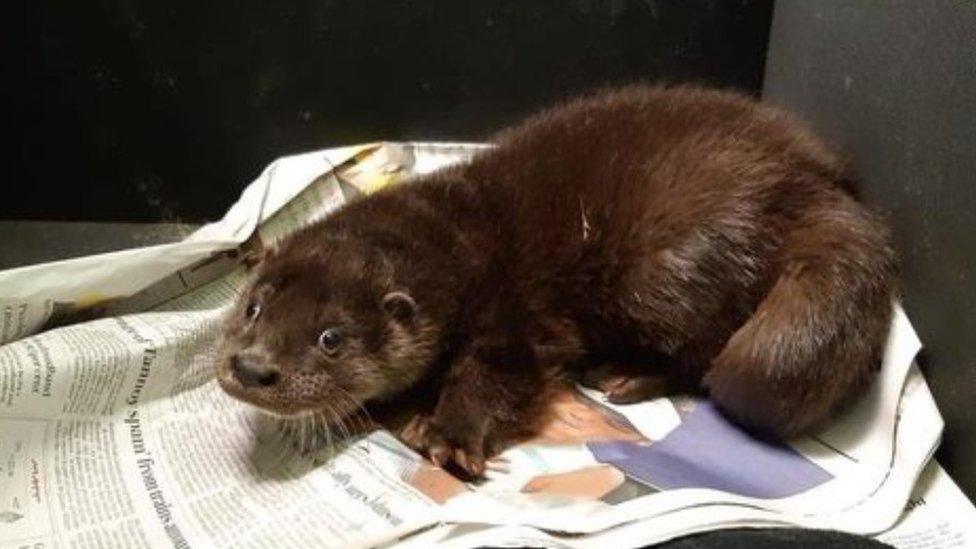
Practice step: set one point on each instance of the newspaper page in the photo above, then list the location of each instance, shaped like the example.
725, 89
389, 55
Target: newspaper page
938, 514
40, 296
113, 431
122, 445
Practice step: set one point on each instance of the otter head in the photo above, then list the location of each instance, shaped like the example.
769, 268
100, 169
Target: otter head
322, 327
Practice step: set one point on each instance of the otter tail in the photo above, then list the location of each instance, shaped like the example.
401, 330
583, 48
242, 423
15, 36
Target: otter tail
819, 334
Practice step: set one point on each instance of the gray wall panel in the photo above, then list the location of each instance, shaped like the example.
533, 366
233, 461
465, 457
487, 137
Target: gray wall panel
894, 85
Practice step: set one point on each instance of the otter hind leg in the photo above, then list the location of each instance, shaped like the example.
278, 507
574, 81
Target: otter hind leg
627, 383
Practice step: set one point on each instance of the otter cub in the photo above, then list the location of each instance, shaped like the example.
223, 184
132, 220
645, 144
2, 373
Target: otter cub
634, 239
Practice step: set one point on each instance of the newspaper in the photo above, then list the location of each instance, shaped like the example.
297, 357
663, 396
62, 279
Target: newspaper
114, 433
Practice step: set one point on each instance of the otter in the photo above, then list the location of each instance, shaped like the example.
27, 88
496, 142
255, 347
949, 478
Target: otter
639, 240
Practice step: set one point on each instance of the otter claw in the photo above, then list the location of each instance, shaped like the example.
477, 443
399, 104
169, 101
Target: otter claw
625, 387
414, 433
637, 389
473, 463
427, 438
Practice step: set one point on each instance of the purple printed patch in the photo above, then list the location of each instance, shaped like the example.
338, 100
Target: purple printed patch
707, 451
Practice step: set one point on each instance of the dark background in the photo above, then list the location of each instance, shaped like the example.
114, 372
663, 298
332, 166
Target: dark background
163, 111
146, 110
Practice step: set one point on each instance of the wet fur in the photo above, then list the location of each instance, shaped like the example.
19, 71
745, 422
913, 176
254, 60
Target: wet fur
682, 236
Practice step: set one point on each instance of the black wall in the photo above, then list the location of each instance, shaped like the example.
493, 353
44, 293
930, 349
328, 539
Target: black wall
149, 110
894, 83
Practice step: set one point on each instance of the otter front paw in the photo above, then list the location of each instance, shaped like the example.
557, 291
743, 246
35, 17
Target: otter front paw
445, 444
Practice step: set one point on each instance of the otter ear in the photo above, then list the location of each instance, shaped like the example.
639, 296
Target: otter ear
252, 258
400, 306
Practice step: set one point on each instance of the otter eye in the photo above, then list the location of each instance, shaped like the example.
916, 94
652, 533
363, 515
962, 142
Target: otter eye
252, 311
330, 339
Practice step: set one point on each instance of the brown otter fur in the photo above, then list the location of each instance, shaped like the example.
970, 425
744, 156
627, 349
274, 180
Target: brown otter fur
633, 239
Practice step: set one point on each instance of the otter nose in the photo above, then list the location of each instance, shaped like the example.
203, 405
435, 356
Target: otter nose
254, 372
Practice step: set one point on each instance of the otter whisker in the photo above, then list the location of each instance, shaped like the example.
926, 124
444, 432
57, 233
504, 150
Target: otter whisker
306, 444
358, 411
347, 419
298, 430
288, 439
317, 434
341, 425
326, 427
